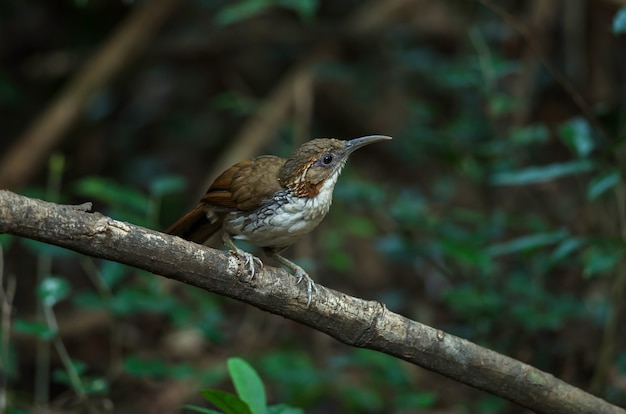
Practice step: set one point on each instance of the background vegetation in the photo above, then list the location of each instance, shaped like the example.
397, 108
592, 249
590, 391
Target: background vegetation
497, 213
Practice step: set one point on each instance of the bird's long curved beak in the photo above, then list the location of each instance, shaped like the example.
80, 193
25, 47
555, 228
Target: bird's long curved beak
356, 143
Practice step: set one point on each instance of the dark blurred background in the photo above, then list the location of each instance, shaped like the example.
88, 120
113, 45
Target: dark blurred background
497, 213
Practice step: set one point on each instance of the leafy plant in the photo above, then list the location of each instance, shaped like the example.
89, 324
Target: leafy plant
250, 398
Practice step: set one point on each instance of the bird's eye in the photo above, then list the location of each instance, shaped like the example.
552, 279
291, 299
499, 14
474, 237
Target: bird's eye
327, 159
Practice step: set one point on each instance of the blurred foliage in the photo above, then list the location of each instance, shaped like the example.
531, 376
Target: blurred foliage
619, 22
251, 397
497, 213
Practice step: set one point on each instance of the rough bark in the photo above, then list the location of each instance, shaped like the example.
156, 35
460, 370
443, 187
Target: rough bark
356, 322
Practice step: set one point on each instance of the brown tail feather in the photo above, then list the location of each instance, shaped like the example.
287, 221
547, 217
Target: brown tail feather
195, 226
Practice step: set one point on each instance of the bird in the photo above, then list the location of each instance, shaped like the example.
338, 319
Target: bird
271, 202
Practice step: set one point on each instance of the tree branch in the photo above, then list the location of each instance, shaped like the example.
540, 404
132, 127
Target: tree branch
353, 321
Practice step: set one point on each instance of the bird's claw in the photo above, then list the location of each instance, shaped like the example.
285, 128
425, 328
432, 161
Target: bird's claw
310, 285
250, 262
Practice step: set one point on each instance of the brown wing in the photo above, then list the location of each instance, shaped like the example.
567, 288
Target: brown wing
231, 190
245, 185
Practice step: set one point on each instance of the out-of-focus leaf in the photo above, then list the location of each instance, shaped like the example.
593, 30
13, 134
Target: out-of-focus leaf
133, 299
6, 240
200, 409
387, 369
525, 243
340, 260
463, 252
576, 134
231, 101
10, 94
227, 402
241, 10
52, 290
502, 104
416, 400
529, 134
361, 399
112, 273
89, 300
233, 13
602, 183
62, 376
37, 329
567, 246
284, 409
472, 301
306, 9
38, 248
395, 246
112, 193
534, 175
619, 21
167, 185
299, 378
156, 368
248, 385
360, 226
602, 259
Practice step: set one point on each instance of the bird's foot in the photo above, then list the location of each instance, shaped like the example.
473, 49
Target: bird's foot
301, 275
249, 262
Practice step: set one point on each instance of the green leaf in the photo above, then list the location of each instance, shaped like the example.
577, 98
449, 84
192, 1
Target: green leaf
227, 402
602, 259
242, 10
200, 409
619, 21
306, 9
602, 183
246, 9
566, 247
248, 385
463, 251
284, 409
542, 174
576, 134
52, 290
38, 329
526, 243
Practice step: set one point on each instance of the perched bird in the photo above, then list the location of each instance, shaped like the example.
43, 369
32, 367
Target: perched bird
271, 202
